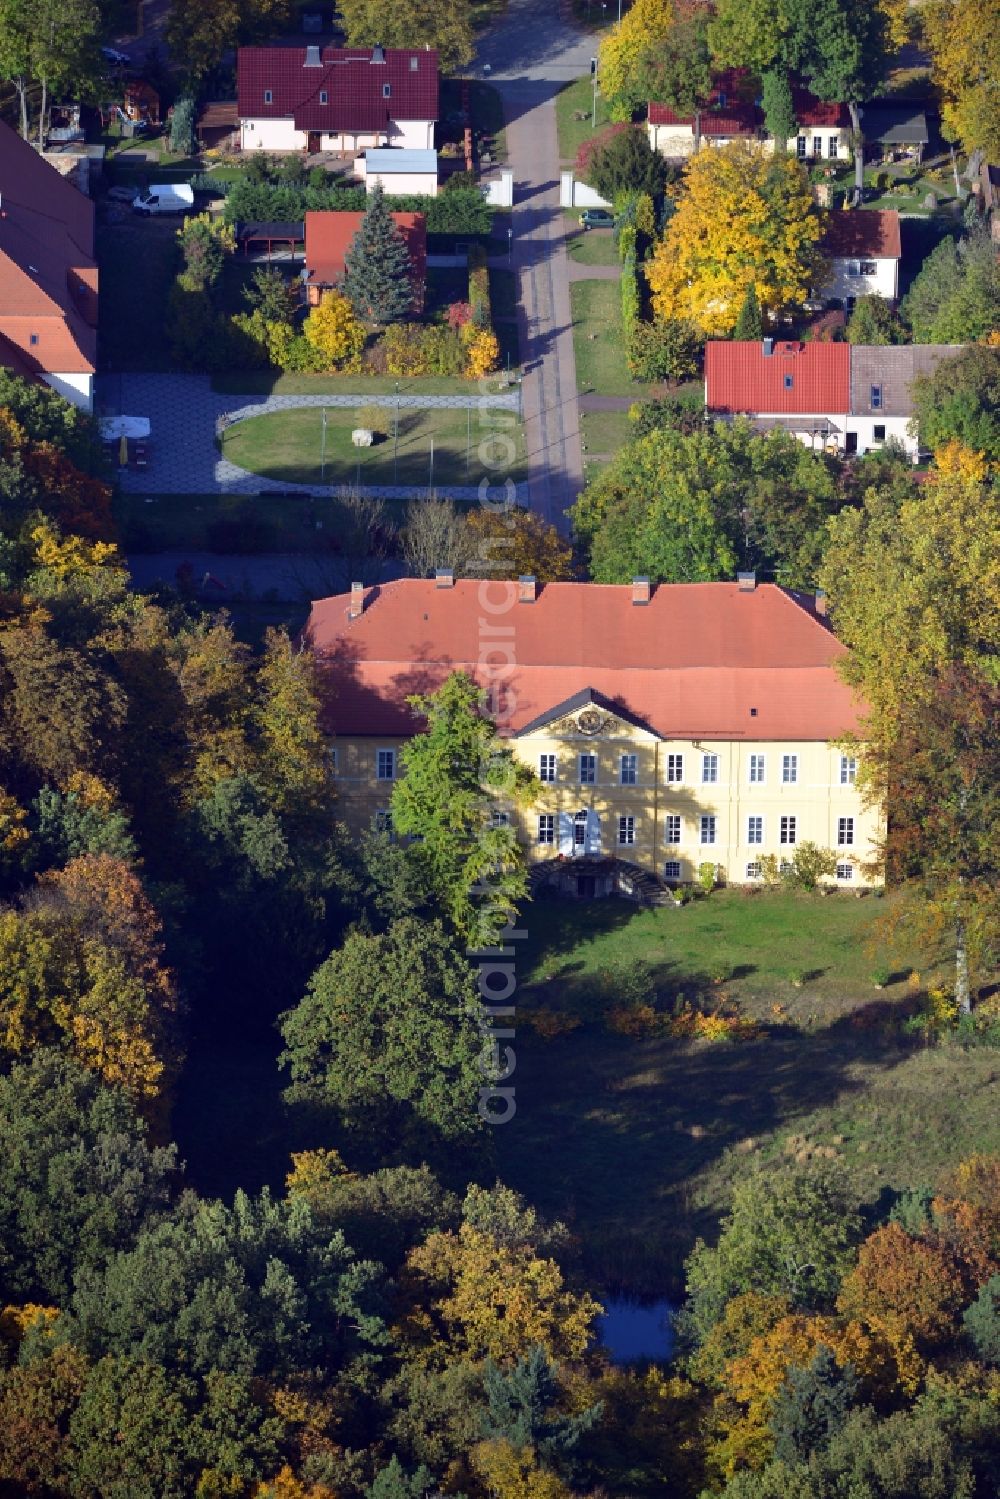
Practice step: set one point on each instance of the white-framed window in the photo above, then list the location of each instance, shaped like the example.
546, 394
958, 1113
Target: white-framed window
675, 767
758, 767
629, 770
268, 96
588, 770
709, 769
869, 268
848, 770
546, 768
789, 382
845, 832
789, 769
324, 97
753, 870
755, 829
833, 146
387, 91
878, 432
672, 869
500, 819
845, 871
672, 829
708, 828
385, 765
580, 829
383, 823
800, 147
817, 145
626, 830
876, 398
785, 867
788, 830
546, 828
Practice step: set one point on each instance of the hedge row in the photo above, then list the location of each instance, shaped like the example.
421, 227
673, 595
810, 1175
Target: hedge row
462, 211
479, 287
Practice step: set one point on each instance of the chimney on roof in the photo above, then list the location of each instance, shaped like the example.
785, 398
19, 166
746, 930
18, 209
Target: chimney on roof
313, 59
357, 604
526, 589
444, 577
820, 602
768, 347
640, 590
746, 582
378, 53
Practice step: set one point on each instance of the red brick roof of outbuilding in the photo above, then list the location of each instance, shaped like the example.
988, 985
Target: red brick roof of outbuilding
330, 234
691, 663
353, 84
740, 377
866, 232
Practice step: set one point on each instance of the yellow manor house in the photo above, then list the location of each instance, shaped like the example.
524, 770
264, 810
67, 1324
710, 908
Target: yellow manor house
669, 726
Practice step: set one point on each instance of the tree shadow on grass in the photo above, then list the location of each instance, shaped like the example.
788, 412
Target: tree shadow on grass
613, 1134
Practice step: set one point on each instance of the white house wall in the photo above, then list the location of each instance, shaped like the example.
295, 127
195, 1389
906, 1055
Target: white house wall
843, 284
271, 135
282, 136
402, 184
412, 135
863, 427
79, 389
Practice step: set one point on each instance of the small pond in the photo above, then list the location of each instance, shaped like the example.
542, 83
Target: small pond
632, 1330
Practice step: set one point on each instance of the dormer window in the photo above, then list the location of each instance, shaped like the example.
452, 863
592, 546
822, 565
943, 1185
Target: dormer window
387, 91
324, 97
414, 64
268, 96
33, 339
789, 381
722, 101
876, 400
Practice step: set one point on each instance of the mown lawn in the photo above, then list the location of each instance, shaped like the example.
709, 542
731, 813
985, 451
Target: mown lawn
591, 246
605, 431
577, 98
436, 446
637, 1143
598, 341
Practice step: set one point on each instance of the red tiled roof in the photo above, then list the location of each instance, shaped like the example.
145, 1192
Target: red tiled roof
741, 377
354, 86
868, 231
815, 113
738, 116
48, 277
690, 663
330, 234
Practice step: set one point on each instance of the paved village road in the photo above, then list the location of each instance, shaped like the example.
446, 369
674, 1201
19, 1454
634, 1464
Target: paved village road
529, 55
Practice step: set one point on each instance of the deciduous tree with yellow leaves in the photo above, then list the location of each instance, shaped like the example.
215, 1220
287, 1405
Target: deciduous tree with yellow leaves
334, 331
744, 217
963, 37
621, 53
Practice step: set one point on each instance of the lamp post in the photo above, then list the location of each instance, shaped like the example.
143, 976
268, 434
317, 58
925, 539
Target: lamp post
510, 245
395, 440
322, 450
430, 476
593, 74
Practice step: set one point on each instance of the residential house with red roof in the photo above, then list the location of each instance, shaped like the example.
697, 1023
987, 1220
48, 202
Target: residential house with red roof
342, 99
329, 236
834, 397
734, 112
48, 274
669, 727
862, 248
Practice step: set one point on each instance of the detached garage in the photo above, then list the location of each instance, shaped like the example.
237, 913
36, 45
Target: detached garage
400, 171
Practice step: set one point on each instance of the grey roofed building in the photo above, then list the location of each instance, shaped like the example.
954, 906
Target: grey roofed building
896, 122
891, 369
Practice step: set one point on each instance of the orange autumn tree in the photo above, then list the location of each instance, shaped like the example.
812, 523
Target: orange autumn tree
74, 500
911, 1288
